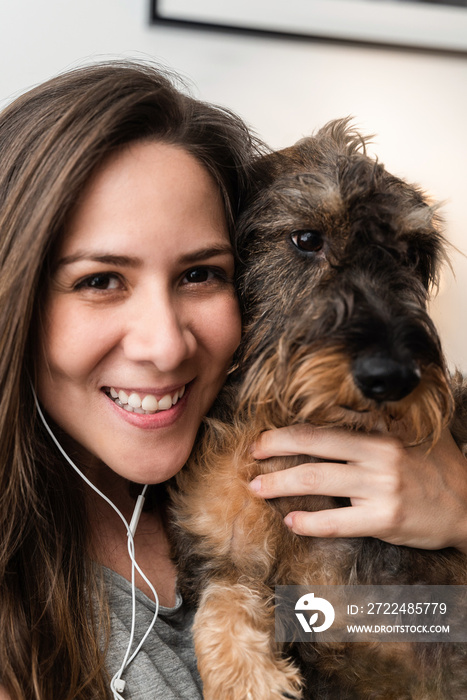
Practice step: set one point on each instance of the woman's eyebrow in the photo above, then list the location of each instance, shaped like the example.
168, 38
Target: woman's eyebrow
105, 258
206, 253
130, 261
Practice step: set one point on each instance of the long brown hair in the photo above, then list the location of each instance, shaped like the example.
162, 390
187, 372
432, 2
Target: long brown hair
52, 608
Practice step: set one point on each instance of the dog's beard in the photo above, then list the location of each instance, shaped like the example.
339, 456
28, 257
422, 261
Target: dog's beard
317, 387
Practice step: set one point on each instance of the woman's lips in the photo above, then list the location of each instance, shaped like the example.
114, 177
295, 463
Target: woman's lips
141, 418
144, 403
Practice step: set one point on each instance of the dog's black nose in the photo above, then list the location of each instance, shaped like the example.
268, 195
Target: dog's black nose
383, 379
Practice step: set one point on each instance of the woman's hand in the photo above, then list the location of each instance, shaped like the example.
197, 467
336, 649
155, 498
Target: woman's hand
408, 496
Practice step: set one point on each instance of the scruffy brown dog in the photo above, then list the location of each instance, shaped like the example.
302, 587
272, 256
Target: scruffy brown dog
337, 257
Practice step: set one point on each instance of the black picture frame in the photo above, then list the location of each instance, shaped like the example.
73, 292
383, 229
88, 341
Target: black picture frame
421, 25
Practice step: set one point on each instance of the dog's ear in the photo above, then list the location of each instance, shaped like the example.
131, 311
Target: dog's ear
269, 167
428, 246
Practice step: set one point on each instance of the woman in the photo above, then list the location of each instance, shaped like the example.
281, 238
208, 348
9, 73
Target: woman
117, 201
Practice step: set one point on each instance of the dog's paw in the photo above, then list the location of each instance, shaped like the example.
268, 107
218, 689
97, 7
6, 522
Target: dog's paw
240, 660
258, 679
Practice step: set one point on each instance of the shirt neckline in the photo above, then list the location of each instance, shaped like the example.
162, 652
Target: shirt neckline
124, 584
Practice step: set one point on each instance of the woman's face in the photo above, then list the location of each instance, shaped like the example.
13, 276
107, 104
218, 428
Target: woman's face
140, 318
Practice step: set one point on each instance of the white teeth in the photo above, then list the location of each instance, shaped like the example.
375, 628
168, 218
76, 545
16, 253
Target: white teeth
134, 400
133, 403
165, 402
149, 403
122, 396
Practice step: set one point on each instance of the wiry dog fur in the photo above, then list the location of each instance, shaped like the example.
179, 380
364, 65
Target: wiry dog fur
338, 257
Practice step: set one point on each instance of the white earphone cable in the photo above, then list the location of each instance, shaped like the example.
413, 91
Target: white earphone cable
117, 685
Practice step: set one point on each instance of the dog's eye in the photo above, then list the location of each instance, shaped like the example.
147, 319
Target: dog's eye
308, 241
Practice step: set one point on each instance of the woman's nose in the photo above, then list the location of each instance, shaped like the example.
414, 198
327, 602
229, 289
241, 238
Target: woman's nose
159, 333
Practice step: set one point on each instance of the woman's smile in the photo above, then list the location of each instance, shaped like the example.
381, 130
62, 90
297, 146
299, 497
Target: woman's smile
141, 319
143, 409
145, 401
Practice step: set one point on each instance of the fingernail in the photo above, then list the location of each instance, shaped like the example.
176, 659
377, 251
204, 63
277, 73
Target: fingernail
255, 485
288, 520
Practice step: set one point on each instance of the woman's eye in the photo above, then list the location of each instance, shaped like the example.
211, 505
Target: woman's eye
308, 241
101, 281
198, 275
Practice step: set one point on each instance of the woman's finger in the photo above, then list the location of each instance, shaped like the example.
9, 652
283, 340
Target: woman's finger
333, 444
334, 522
319, 479
355, 521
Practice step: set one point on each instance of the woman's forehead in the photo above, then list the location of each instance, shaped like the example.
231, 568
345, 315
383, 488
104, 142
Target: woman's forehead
148, 191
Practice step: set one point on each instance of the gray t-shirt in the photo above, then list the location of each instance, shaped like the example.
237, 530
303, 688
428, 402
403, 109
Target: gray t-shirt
165, 668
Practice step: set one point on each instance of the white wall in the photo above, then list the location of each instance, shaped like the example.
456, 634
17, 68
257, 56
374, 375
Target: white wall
416, 103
